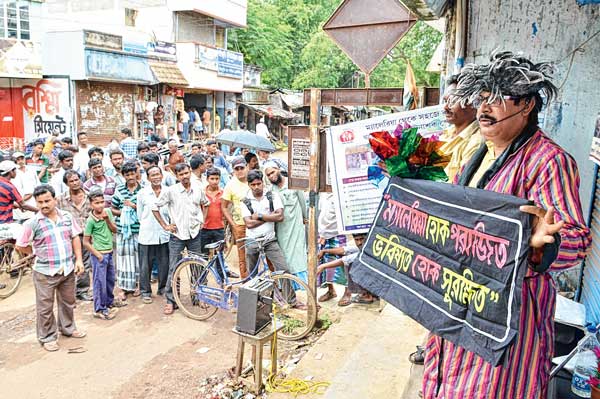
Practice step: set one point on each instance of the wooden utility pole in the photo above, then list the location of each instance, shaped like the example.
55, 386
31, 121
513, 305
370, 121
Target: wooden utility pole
313, 187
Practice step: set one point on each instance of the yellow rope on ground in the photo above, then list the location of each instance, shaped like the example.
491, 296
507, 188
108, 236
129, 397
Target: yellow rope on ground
291, 385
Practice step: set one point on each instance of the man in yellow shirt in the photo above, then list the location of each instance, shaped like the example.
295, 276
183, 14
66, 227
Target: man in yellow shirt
463, 138
233, 194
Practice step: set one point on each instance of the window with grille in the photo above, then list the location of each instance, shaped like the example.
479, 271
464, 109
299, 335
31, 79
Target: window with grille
14, 20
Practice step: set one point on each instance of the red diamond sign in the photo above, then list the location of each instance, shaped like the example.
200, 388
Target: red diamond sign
368, 30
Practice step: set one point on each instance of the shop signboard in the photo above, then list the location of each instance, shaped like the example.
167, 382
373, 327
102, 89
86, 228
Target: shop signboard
20, 59
162, 49
102, 40
46, 107
118, 67
206, 57
230, 64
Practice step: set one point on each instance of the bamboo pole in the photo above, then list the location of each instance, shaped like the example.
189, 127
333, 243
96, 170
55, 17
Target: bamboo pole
313, 187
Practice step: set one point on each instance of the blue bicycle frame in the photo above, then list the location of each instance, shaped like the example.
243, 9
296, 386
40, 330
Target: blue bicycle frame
225, 298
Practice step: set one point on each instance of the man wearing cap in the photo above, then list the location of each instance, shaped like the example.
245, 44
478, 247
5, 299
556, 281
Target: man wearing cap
9, 199
291, 234
25, 181
233, 194
518, 159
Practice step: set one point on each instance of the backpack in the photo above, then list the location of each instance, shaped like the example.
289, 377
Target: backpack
248, 203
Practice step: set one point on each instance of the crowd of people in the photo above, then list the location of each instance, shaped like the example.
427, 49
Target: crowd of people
107, 223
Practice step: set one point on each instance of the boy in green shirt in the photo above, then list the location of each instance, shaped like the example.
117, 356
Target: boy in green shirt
98, 239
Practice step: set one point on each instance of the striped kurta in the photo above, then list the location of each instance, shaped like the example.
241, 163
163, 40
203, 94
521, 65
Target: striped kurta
543, 172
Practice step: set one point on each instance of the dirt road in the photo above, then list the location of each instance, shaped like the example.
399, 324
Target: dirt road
141, 353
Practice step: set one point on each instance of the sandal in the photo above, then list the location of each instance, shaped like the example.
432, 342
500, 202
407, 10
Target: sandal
345, 301
118, 303
362, 300
78, 334
136, 292
51, 346
327, 296
169, 309
418, 356
104, 315
147, 300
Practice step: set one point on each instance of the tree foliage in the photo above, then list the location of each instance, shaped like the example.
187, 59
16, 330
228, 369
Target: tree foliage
285, 38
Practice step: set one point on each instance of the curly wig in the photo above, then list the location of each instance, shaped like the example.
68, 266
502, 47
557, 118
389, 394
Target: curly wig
507, 74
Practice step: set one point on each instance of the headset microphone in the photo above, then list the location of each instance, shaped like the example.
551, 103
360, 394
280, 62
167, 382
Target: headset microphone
508, 117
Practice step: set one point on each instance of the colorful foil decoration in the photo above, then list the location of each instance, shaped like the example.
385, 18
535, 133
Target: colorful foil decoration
407, 154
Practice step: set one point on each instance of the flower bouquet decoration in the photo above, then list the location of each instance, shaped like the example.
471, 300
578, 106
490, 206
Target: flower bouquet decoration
407, 154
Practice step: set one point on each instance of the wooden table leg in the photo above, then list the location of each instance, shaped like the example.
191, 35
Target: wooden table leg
240, 357
273, 356
258, 368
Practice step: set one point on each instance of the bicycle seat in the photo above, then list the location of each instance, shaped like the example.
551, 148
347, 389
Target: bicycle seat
214, 244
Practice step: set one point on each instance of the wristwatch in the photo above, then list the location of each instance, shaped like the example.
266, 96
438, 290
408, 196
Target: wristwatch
260, 216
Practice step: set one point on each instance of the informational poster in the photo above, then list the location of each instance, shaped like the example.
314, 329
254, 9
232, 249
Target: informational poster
350, 156
298, 157
595, 149
46, 107
453, 258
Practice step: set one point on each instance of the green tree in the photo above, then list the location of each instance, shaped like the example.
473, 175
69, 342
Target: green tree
286, 39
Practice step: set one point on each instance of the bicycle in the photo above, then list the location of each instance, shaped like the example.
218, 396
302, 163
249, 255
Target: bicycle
12, 268
210, 289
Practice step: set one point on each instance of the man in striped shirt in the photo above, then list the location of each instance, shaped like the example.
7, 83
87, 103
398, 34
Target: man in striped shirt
521, 160
53, 236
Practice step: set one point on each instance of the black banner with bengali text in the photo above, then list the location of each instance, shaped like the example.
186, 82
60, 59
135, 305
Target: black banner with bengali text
452, 258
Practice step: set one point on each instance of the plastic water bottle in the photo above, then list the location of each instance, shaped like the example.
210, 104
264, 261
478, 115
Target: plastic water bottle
586, 364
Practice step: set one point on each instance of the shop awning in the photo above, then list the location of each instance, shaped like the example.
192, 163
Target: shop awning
168, 73
271, 111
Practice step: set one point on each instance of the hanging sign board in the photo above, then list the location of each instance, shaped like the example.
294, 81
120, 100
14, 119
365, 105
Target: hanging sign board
452, 258
299, 159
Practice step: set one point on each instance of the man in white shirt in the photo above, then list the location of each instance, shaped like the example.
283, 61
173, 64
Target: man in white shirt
25, 181
65, 159
187, 205
153, 240
262, 130
261, 210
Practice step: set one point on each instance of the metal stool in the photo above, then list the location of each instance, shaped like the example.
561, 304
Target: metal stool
266, 335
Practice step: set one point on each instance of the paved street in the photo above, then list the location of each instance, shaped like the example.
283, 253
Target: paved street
139, 354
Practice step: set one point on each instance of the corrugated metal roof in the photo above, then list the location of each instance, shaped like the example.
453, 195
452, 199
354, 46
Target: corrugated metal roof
272, 110
168, 73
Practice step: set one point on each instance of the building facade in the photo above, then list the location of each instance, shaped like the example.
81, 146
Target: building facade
124, 58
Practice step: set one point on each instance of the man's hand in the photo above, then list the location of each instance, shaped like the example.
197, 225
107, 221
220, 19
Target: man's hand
79, 269
129, 204
320, 254
171, 228
544, 226
104, 214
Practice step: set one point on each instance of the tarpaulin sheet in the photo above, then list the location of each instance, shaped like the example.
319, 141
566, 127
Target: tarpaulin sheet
452, 258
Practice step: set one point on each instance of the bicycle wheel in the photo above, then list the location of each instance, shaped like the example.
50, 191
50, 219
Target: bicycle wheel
288, 291
9, 279
188, 277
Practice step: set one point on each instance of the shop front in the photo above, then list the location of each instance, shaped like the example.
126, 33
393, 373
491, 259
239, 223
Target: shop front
215, 76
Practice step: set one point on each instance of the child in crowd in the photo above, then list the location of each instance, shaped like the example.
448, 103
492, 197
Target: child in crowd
98, 239
349, 254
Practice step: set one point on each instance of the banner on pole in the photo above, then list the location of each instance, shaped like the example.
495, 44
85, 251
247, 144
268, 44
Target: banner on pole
350, 155
453, 258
